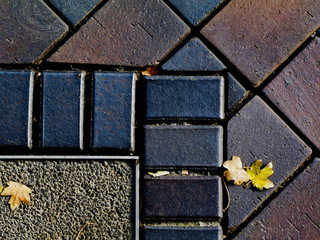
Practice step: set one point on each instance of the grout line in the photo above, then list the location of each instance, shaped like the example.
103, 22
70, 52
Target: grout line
30, 108
137, 199
76, 157
133, 102
82, 102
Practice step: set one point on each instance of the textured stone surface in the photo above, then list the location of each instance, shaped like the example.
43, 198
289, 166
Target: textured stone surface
184, 97
183, 146
14, 105
113, 110
195, 10
256, 132
181, 197
294, 214
296, 91
74, 10
257, 36
61, 109
28, 29
124, 32
235, 91
182, 233
194, 56
65, 195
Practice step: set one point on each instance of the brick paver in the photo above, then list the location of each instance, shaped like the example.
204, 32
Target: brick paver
257, 36
235, 91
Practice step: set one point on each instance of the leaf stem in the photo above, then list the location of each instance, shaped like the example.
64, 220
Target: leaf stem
247, 184
228, 193
87, 223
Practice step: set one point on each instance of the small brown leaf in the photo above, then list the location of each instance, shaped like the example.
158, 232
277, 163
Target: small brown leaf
18, 193
150, 71
235, 171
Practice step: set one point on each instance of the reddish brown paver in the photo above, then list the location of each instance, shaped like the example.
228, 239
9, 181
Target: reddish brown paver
259, 35
131, 33
296, 91
294, 214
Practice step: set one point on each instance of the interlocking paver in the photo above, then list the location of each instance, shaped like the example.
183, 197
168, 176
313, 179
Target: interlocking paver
133, 33
195, 11
75, 10
296, 91
180, 197
182, 233
294, 214
15, 124
235, 91
28, 30
184, 97
62, 126
113, 110
183, 146
194, 56
257, 36
256, 132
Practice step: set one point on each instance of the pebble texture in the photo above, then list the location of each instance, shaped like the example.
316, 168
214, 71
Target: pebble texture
28, 30
256, 132
75, 10
181, 197
298, 86
182, 233
184, 97
183, 146
61, 109
14, 104
194, 56
235, 91
113, 110
195, 10
294, 214
265, 33
125, 32
65, 195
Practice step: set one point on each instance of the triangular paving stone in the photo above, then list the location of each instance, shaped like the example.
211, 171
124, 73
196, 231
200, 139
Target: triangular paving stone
195, 10
130, 33
256, 132
28, 30
194, 56
235, 91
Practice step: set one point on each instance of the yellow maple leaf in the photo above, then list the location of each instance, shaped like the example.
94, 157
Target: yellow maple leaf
259, 176
235, 171
18, 193
1, 189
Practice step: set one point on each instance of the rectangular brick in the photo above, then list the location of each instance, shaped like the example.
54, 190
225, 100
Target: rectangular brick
113, 110
183, 146
235, 91
184, 97
62, 109
182, 197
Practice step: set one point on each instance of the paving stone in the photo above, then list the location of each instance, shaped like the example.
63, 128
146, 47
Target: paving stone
257, 36
294, 214
256, 132
113, 110
181, 197
195, 11
184, 97
62, 126
74, 10
131, 33
296, 91
14, 108
182, 233
67, 194
183, 146
235, 91
28, 29
194, 56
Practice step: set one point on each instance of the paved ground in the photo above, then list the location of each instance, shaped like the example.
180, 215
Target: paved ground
80, 120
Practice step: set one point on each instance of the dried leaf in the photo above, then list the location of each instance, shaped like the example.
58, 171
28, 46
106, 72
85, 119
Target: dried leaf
159, 173
1, 189
185, 172
259, 176
18, 193
235, 171
150, 71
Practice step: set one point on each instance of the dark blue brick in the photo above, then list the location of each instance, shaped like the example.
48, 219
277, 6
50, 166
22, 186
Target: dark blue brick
235, 91
182, 197
183, 146
184, 97
14, 108
182, 233
194, 56
61, 110
113, 110
195, 10
74, 10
